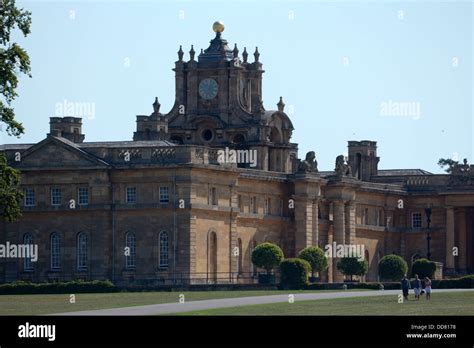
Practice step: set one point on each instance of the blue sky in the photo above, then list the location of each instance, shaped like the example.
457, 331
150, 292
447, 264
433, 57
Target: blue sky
335, 64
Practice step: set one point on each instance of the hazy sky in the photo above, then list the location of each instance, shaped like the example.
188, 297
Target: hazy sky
399, 73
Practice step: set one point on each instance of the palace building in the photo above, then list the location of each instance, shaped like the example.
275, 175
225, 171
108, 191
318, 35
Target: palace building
165, 208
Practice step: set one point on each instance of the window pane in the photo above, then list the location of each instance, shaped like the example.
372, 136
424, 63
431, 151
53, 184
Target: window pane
130, 244
30, 199
27, 264
131, 195
82, 251
83, 194
55, 251
164, 248
55, 196
164, 194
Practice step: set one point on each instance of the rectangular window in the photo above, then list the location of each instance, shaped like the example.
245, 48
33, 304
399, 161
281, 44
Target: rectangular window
212, 196
240, 203
253, 205
365, 216
379, 217
131, 195
266, 207
164, 194
30, 199
83, 196
416, 220
55, 196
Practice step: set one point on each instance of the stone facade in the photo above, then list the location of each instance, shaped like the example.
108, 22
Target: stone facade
165, 208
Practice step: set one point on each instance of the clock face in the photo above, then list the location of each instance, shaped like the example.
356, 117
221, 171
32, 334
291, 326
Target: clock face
208, 89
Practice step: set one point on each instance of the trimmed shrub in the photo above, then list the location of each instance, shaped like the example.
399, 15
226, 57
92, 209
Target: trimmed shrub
316, 258
424, 268
392, 267
76, 286
351, 266
294, 273
267, 256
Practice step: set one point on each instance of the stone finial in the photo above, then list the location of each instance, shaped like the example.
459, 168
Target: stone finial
235, 51
192, 53
245, 55
180, 53
256, 54
156, 106
281, 105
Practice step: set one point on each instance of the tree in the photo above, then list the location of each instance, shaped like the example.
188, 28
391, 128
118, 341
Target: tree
294, 273
392, 267
10, 193
13, 60
424, 268
315, 257
351, 266
443, 162
267, 256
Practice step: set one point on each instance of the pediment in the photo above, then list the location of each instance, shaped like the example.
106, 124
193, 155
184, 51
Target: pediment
55, 152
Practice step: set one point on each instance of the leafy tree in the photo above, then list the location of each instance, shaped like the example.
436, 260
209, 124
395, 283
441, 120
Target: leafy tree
294, 273
392, 267
424, 268
13, 61
10, 193
443, 162
351, 266
315, 257
267, 256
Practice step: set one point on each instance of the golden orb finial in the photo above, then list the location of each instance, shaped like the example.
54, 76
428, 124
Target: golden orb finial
218, 27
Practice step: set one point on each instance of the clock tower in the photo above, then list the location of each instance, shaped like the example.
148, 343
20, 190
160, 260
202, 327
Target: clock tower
218, 103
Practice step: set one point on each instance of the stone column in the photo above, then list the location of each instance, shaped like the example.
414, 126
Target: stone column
462, 240
449, 263
339, 236
330, 261
315, 222
350, 222
304, 223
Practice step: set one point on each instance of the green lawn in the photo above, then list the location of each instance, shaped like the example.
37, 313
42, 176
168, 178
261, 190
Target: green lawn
48, 304
460, 303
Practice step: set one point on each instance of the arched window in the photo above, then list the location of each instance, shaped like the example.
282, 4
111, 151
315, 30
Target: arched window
164, 249
55, 251
82, 252
130, 250
27, 264
239, 266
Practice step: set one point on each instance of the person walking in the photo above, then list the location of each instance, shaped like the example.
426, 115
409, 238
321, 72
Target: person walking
405, 286
428, 288
417, 287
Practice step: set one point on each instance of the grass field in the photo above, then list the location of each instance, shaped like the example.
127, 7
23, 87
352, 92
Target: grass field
48, 304
461, 303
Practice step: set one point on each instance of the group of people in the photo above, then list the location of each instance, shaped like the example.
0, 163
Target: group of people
417, 287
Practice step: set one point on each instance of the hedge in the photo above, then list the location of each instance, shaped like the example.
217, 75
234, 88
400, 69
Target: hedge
424, 268
294, 273
72, 287
466, 282
392, 267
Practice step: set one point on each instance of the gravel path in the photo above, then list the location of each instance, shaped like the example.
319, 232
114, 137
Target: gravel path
169, 308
